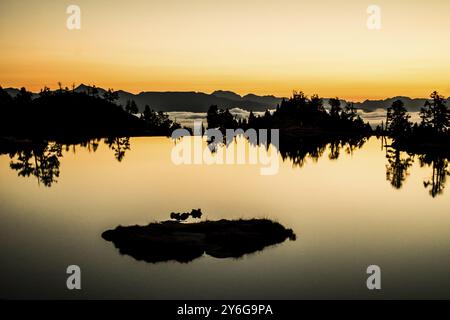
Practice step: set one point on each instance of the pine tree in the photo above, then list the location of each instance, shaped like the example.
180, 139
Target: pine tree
397, 123
435, 114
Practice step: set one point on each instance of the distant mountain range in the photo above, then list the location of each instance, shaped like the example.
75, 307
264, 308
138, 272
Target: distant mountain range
200, 102
193, 101
412, 105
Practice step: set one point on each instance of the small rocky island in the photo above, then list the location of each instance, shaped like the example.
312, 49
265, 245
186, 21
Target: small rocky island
184, 242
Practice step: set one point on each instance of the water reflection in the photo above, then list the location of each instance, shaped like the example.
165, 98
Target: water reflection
397, 167
299, 149
120, 146
439, 173
399, 163
90, 145
41, 159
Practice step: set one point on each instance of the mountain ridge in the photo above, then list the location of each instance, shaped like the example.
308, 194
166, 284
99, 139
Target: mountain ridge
194, 101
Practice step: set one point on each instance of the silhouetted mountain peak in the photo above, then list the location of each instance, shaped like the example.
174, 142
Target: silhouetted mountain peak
252, 95
227, 94
411, 104
86, 88
12, 91
82, 88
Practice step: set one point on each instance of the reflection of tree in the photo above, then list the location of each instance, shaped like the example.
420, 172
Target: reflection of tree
119, 146
439, 173
298, 150
40, 160
397, 167
335, 150
353, 143
89, 145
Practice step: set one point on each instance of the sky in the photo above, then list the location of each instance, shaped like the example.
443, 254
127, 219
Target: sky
258, 46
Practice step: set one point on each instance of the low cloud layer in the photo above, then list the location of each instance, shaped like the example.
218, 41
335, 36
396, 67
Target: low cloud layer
187, 118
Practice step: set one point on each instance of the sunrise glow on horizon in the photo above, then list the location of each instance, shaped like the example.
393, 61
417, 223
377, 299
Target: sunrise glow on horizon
261, 47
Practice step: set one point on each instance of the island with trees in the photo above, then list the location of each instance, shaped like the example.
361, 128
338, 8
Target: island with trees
298, 116
185, 242
306, 127
66, 114
429, 141
431, 135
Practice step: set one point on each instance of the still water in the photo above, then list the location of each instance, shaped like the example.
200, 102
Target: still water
360, 209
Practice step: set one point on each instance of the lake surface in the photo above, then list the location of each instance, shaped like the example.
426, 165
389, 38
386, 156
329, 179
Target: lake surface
345, 212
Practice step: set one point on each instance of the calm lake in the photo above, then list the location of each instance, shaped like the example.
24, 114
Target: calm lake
348, 213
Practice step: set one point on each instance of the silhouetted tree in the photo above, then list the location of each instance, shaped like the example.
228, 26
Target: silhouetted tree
94, 91
148, 114
316, 104
301, 112
336, 109
23, 97
397, 121
131, 107
222, 119
159, 122
349, 112
212, 117
110, 95
45, 92
251, 119
435, 114
5, 98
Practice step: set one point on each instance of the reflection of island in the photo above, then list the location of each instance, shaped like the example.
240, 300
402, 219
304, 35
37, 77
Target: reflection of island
298, 150
399, 163
184, 242
41, 159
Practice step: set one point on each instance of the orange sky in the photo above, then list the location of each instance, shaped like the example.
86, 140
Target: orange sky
259, 46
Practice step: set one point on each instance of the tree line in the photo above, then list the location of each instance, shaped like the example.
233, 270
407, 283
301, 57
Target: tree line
68, 113
433, 129
297, 113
